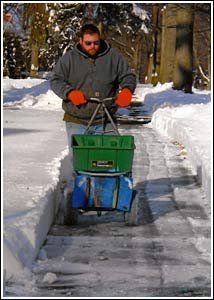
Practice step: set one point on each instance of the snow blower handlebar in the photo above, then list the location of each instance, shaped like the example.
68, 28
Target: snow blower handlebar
101, 104
101, 100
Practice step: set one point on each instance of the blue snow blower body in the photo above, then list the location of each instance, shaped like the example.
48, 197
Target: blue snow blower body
102, 192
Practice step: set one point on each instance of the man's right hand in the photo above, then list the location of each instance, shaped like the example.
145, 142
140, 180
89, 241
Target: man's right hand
76, 97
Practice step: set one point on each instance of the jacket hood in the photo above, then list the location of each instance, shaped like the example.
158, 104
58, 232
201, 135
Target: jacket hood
104, 48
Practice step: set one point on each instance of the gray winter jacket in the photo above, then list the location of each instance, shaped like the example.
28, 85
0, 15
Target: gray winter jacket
100, 76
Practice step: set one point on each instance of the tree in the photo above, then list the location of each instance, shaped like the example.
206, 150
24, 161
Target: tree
13, 42
163, 38
167, 42
146, 34
63, 25
154, 55
35, 18
202, 45
183, 68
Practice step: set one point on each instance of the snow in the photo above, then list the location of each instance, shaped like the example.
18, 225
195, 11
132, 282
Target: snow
141, 13
32, 168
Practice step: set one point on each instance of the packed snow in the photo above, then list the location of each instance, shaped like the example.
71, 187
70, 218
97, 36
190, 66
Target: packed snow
185, 118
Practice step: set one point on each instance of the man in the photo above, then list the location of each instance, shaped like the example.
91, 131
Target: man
91, 69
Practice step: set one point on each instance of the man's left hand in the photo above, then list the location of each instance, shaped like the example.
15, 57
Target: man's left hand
123, 98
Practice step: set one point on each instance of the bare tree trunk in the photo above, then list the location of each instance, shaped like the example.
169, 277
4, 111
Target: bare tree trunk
200, 69
148, 78
168, 38
34, 61
162, 45
36, 17
209, 66
154, 60
137, 58
183, 77
100, 25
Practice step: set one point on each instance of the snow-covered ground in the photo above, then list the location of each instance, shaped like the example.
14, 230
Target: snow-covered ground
185, 118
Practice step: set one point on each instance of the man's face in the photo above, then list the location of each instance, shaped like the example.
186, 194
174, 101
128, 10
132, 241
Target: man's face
90, 43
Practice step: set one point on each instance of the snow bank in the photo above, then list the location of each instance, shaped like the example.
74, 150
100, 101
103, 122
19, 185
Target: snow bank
195, 135
24, 235
33, 93
35, 156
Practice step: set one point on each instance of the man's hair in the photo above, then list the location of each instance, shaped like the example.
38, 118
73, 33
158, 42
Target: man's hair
89, 28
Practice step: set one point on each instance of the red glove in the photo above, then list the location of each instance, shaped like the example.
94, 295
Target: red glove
123, 98
76, 97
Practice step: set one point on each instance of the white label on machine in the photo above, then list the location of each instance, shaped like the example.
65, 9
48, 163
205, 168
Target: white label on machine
102, 163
